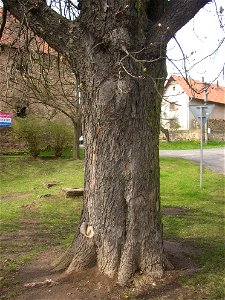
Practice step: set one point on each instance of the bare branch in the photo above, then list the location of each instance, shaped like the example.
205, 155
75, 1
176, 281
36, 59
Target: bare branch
46, 23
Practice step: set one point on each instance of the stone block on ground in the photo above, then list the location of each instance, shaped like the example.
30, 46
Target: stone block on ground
50, 184
73, 192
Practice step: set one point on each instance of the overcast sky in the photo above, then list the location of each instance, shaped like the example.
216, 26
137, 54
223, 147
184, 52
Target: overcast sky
201, 36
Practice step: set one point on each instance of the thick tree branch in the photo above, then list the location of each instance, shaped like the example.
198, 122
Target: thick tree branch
176, 15
60, 33
4, 16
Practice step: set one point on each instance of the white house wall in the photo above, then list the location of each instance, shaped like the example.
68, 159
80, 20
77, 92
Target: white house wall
174, 93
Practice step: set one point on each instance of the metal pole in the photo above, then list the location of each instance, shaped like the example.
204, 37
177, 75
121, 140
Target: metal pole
206, 124
201, 147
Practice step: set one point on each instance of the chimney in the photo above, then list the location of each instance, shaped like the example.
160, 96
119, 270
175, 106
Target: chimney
203, 79
217, 83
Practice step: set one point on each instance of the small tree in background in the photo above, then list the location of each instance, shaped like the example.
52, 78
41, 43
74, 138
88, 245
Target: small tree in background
31, 131
41, 133
61, 136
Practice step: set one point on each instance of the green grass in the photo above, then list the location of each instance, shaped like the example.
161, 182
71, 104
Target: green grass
67, 153
52, 220
186, 145
180, 187
203, 225
55, 218
27, 175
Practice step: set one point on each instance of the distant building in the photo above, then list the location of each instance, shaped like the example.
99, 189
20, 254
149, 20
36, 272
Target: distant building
34, 79
179, 93
22, 56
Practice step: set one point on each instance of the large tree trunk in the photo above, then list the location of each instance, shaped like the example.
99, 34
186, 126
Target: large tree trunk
121, 221
121, 89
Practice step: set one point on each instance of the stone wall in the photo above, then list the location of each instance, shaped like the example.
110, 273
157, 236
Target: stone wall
9, 143
184, 135
216, 125
193, 135
217, 132
217, 135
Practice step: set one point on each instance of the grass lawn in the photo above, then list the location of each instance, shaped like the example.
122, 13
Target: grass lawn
186, 145
203, 225
25, 202
176, 145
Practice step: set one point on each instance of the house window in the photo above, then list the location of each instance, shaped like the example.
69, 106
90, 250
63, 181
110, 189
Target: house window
173, 106
174, 88
21, 111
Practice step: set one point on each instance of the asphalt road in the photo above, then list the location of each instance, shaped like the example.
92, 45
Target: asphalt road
213, 159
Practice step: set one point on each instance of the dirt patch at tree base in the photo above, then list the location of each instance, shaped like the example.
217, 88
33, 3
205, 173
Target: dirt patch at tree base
37, 282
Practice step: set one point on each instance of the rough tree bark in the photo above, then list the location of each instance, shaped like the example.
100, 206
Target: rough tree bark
117, 50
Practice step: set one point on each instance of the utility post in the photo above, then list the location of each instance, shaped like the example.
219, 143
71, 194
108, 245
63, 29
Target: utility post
201, 114
206, 124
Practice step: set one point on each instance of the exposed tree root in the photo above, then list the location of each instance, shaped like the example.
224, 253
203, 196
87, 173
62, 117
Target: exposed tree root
79, 256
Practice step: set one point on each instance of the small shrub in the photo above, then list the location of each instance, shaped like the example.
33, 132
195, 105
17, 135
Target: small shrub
31, 130
60, 136
40, 134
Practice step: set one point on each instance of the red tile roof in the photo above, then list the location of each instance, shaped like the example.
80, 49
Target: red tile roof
16, 36
196, 89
